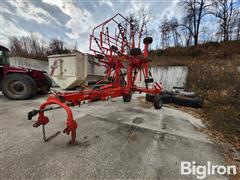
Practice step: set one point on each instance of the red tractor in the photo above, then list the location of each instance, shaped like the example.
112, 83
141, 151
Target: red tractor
21, 83
113, 44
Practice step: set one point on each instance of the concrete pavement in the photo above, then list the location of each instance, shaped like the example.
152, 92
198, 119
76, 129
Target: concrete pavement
114, 140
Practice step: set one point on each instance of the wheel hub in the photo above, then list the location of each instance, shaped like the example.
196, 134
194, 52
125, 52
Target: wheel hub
17, 87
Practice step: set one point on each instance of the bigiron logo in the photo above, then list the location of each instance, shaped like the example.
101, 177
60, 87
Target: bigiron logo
202, 171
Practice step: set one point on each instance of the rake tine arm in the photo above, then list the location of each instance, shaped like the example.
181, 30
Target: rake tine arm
70, 123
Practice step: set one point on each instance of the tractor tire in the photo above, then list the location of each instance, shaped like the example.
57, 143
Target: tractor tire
18, 86
195, 102
127, 97
48, 82
46, 88
135, 51
147, 40
158, 102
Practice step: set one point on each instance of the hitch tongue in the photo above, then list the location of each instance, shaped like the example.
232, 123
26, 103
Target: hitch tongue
42, 120
36, 124
34, 112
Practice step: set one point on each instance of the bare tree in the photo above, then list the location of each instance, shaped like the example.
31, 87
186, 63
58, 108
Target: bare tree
165, 33
236, 25
168, 29
238, 29
187, 32
226, 13
194, 11
140, 19
57, 47
29, 47
175, 34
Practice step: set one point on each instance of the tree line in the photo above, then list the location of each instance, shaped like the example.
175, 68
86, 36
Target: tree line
188, 30
31, 47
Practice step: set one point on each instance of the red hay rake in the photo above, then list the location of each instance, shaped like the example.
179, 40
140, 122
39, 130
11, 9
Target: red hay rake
113, 44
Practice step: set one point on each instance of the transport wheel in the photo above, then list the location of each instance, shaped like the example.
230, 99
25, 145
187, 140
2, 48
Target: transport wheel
135, 51
195, 102
149, 97
158, 102
18, 86
114, 48
127, 97
147, 40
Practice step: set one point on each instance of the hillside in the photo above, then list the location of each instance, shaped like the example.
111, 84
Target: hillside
186, 55
214, 73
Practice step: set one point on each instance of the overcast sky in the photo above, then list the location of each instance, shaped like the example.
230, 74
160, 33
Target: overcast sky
73, 20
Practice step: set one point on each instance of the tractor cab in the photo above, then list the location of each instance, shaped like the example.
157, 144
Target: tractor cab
4, 54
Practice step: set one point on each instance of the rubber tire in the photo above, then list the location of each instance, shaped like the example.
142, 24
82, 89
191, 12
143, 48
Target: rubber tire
123, 82
29, 82
149, 80
166, 98
187, 93
147, 40
135, 51
48, 82
149, 97
127, 97
195, 102
114, 48
158, 102
46, 88
99, 56
178, 89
